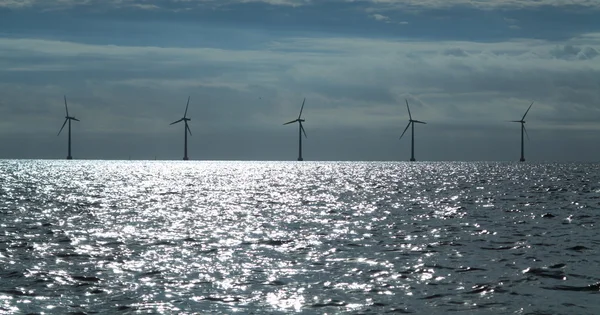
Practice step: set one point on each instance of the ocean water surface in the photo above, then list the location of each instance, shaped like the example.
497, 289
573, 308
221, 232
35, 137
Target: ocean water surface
158, 237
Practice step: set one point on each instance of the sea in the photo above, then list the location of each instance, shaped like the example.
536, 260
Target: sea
227, 237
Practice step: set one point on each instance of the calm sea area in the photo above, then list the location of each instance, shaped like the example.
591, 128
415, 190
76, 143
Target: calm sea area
221, 237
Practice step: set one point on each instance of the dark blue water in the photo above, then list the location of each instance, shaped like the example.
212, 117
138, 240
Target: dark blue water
114, 237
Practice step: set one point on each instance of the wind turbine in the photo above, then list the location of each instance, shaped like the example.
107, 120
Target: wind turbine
300, 131
411, 122
523, 130
185, 130
68, 118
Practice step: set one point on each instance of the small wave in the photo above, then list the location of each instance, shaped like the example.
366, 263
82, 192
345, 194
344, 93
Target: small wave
434, 296
330, 303
275, 283
224, 299
589, 288
578, 248
467, 269
19, 292
163, 242
275, 242
543, 272
561, 265
480, 288
11, 274
71, 255
150, 273
86, 278
497, 248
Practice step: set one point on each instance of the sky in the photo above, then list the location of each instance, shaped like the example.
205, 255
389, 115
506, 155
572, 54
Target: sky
466, 67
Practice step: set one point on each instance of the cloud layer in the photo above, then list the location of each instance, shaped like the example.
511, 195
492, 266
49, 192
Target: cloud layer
127, 79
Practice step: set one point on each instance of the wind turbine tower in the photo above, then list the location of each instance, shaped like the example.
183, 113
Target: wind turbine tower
299, 120
411, 122
185, 130
523, 130
68, 119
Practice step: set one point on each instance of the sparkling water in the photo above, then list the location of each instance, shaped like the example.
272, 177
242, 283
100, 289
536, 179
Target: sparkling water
114, 237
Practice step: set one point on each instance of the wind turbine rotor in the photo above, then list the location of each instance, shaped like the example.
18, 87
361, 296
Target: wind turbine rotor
188, 128
522, 119
176, 121
302, 128
186, 107
301, 108
66, 108
403, 132
63, 126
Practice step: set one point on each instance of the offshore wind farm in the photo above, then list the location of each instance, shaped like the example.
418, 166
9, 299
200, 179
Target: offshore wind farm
301, 131
250, 216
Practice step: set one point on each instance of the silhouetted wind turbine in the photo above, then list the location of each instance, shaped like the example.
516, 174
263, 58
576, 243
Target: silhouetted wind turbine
523, 130
68, 118
300, 131
411, 122
186, 129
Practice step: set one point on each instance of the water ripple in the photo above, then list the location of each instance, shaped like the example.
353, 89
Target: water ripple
85, 237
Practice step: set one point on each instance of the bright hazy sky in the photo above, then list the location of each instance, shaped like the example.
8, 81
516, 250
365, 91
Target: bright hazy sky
465, 66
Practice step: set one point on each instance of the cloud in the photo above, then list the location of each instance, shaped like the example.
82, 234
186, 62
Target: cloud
378, 4
480, 4
337, 73
132, 78
380, 17
456, 52
574, 52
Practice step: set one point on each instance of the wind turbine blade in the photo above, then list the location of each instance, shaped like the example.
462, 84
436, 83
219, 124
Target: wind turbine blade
403, 132
290, 122
188, 128
409, 115
176, 121
63, 126
526, 132
302, 128
515, 121
301, 108
66, 108
75, 119
527, 111
186, 107
420, 122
